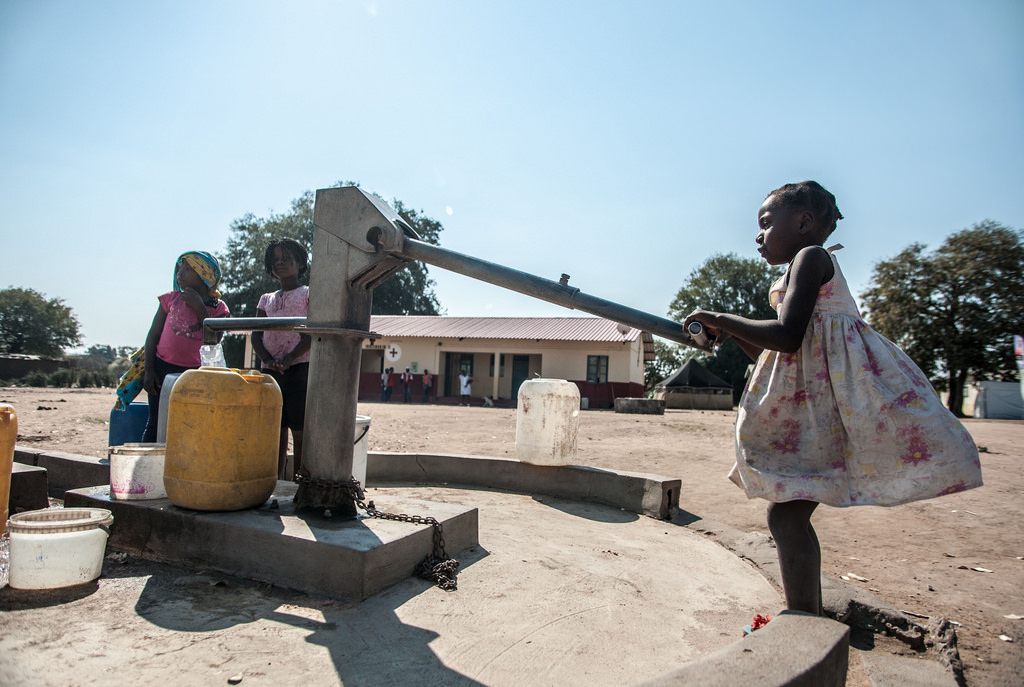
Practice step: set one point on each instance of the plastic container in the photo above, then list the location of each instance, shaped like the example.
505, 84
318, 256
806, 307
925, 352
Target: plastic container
165, 401
128, 425
8, 437
57, 547
223, 428
137, 471
359, 451
547, 422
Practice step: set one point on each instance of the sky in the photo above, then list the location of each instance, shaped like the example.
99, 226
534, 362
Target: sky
622, 143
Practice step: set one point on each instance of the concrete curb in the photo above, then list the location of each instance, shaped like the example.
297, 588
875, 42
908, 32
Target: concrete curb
650, 495
65, 471
793, 650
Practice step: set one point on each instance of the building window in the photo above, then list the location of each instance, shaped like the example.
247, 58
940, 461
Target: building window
597, 369
501, 367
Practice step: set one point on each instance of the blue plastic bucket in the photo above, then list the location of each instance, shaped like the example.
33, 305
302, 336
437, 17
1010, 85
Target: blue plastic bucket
127, 426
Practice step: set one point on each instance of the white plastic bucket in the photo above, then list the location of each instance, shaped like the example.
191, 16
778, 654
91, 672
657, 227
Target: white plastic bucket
137, 471
359, 451
57, 547
547, 422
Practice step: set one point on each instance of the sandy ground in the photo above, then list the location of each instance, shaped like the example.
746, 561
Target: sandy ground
960, 557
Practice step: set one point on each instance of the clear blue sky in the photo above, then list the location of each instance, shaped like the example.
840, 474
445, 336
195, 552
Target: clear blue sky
623, 143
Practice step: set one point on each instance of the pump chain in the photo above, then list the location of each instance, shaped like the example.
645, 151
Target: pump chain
436, 567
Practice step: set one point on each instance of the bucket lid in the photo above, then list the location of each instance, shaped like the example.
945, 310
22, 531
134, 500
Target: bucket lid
137, 449
56, 520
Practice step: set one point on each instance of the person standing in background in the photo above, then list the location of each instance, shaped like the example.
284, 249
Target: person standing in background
407, 386
427, 383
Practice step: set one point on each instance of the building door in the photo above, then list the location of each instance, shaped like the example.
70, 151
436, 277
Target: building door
520, 373
454, 363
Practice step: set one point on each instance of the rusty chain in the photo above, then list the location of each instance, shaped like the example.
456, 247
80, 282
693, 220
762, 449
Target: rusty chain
436, 566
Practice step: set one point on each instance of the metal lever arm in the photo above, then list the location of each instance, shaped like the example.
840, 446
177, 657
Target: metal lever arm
397, 244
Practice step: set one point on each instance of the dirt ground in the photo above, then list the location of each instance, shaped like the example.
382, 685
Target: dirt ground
960, 556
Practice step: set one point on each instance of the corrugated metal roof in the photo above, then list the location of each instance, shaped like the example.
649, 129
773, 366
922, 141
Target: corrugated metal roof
522, 328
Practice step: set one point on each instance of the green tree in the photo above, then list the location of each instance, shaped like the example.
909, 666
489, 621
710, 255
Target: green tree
408, 292
954, 311
668, 357
32, 325
726, 283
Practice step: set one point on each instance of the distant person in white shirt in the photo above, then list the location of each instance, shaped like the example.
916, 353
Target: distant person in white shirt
465, 382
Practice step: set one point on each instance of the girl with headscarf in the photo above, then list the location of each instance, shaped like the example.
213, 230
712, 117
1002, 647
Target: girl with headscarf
176, 334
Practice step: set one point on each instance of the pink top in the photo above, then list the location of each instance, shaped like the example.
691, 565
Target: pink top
294, 303
181, 339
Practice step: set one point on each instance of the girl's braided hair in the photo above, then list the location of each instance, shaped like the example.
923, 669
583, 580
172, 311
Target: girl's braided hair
297, 250
810, 195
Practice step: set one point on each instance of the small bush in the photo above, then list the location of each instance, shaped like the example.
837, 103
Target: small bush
59, 378
35, 378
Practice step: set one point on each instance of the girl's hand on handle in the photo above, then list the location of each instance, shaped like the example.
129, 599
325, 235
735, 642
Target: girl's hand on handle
708, 320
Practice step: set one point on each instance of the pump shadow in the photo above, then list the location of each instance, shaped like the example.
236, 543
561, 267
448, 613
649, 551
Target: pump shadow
594, 512
367, 642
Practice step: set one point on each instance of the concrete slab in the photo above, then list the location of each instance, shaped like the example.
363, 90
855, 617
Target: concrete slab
348, 559
557, 593
640, 406
28, 489
885, 669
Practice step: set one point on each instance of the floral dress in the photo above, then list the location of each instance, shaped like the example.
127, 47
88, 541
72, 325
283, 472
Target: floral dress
848, 419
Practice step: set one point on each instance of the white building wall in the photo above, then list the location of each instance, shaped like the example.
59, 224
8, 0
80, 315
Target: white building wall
551, 359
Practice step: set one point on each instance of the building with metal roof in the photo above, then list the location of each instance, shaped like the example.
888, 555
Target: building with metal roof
603, 358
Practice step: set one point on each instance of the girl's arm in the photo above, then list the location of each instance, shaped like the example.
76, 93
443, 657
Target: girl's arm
305, 342
811, 268
149, 380
195, 300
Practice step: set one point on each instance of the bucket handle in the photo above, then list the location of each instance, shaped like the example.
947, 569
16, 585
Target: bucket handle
105, 529
360, 437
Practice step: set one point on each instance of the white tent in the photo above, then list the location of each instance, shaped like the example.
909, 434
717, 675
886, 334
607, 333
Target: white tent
999, 401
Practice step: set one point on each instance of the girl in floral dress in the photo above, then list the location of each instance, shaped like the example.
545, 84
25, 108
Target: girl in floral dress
833, 412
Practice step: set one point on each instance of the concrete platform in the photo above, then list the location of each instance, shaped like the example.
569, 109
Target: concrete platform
559, 592
347, 559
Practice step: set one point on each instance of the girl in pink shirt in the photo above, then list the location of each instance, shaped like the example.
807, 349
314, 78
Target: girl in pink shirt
285, 354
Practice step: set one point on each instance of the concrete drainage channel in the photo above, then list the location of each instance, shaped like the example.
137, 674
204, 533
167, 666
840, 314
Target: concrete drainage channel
821, 657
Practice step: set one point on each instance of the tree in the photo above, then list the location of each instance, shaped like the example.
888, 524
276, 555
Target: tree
668, 357
32, 325
726, 283
408, 292
954, 311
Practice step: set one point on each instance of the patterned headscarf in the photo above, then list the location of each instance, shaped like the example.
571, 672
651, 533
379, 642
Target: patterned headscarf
206, 267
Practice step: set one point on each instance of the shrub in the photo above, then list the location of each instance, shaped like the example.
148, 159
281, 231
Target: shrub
59, 378
35, 378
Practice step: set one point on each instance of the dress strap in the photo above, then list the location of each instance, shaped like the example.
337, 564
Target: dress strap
834, 247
